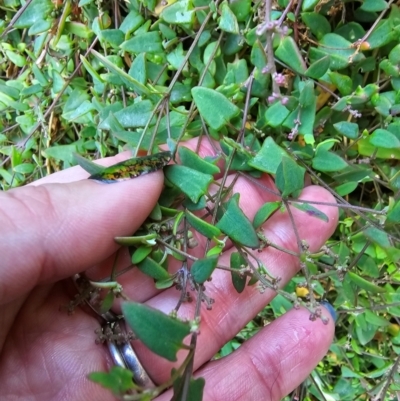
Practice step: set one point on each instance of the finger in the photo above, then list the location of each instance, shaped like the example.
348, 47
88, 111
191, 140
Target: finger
271, 364
231, 311
60, 229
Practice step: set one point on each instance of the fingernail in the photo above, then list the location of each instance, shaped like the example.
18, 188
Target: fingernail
330, 309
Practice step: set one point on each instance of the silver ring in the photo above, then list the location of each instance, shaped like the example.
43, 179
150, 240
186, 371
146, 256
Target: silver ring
124, 356
121, 352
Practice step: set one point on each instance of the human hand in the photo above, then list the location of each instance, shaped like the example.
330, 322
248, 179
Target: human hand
60, 226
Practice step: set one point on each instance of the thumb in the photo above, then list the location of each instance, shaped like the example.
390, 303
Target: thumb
52, 231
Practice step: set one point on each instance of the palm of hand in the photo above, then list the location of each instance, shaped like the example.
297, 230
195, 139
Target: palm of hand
47, 354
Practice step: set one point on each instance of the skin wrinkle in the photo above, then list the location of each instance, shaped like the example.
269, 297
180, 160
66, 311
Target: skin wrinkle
262, 373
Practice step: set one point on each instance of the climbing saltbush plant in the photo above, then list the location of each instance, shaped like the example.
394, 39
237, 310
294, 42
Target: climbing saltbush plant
296, 89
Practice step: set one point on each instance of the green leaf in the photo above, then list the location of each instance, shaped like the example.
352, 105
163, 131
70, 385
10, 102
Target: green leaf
349, 130
394, 214
365, 331
113, 36
149, 42
241, 8
228, 21
118, 380
180, 12
90, 69
208, 101
269, 157
202, 269
318, 68
193, 160
78, 29
131, 82
107, 302
62, 152
311, 211
377, 236
37, 10
138, 70
237, 226
241, 156
151, 268
382, 138
342, 82
276, 114
131, 22
307, 94
374, 5
237, 262
346, 188
394, 55
365, 284
88, 165
382, 34
164, 284
308, 5
201, 204
16, 58
338, 49
265, 211
317, 23
162, 334
289, 177
289, 53
328, 162
39, 26
195, 388
192, 183
136, 115
202, 226
140, 254
24, 168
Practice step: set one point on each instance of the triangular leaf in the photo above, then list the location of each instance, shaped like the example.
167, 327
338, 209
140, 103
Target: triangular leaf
289, 177
269, 157
202, 269
318, 68
191, 182
350, 130
228, 21
237, 226
264, 213
161, 333
328, 161
214, 107
289, 53
194, 161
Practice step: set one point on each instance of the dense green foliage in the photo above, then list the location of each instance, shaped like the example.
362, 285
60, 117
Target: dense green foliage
287, 88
